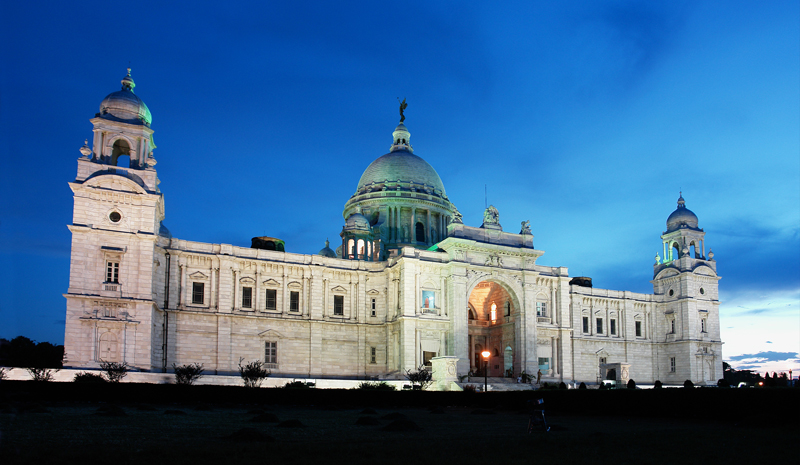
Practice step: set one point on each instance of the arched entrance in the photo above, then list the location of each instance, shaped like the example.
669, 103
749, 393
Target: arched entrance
493, 311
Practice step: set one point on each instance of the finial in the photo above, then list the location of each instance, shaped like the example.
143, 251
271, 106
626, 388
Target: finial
85, 150
127, 82
327, 242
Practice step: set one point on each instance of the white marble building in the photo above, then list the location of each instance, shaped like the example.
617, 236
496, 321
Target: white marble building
409, 282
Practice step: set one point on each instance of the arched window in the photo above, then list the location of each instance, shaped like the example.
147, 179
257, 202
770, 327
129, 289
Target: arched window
360, 248
350, 246
420, 232
120, 152
676, 251
508, 308
493, 313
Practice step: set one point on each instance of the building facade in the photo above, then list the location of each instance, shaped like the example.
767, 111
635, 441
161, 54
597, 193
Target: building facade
408, 283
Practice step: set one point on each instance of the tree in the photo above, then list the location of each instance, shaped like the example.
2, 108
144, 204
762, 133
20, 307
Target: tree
421, 378
631, 384
688, 384
187, 374
254, 373
115, 371
657, 384
23, 352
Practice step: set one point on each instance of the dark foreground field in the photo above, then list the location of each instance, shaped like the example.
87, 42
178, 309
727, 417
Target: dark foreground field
128, 423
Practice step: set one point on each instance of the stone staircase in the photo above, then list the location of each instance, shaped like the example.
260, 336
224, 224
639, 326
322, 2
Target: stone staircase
498, 384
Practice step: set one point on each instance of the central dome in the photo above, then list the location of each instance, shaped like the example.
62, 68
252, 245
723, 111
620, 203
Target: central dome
401, 166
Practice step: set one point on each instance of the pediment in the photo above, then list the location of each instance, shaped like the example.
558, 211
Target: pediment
373, 292
339, 289
270, 334
247, 280
294, 285
428, 284
704, 270
198, 275
271, 282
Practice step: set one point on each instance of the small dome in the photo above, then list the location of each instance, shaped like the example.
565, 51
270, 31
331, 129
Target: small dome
682, 217
357, 221
327, 251
123, 105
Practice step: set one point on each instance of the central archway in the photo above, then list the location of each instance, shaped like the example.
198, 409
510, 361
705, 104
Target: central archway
493, 313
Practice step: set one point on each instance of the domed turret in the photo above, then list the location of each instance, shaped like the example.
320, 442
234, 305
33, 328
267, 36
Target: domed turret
327, 251
124, 106
682, 217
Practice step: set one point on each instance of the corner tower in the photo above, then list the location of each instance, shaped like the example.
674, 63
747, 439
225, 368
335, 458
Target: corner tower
402, 198
116, 222
685, 283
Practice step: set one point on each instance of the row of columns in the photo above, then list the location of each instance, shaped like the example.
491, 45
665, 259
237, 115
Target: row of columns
396, 225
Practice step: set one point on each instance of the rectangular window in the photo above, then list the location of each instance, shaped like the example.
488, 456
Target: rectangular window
541, 309
373, 355
198, 293
672, 326
272, 299
612, 327
247, 297
112, 272
373, 308
271, 353
338, 305
603, 360
586, 325
638, 329
294, 301
672, 364
599, 325
702, 325
544, 363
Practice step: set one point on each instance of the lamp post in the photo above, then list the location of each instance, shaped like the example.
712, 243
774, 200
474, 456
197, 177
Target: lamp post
486, 355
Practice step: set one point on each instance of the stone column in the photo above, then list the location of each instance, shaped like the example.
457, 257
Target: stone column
413, 230
428, 238
285, 298
235, 287
212, 302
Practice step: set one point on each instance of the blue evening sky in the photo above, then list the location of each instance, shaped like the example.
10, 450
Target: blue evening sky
586, 119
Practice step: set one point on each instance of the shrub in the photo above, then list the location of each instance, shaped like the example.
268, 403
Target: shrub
602, 386
382, 386
115, 371
723, 383
631, 384
88, 378
254, 373
470, 388
296, 385
657, 385
562, 385
582, 385
688, 384
526, 378
41, 374
188, 374
421, 378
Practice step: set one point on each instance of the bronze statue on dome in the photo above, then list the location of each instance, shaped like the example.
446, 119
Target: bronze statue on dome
403, 106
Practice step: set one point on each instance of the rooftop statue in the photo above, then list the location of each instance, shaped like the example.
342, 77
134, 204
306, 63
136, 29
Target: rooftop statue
457, 217
491, 216
526, 228
403, 106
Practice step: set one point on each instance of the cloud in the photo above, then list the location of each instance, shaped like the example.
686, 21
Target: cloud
769, 342
769, 356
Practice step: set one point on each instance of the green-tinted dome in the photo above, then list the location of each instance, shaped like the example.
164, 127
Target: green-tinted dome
123, 105
400, 165
682, 217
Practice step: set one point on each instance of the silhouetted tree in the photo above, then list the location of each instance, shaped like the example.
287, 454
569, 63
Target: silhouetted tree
657, 385
688, 384
25, 353
631, 384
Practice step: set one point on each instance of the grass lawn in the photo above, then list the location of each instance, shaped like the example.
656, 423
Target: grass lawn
220, 430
